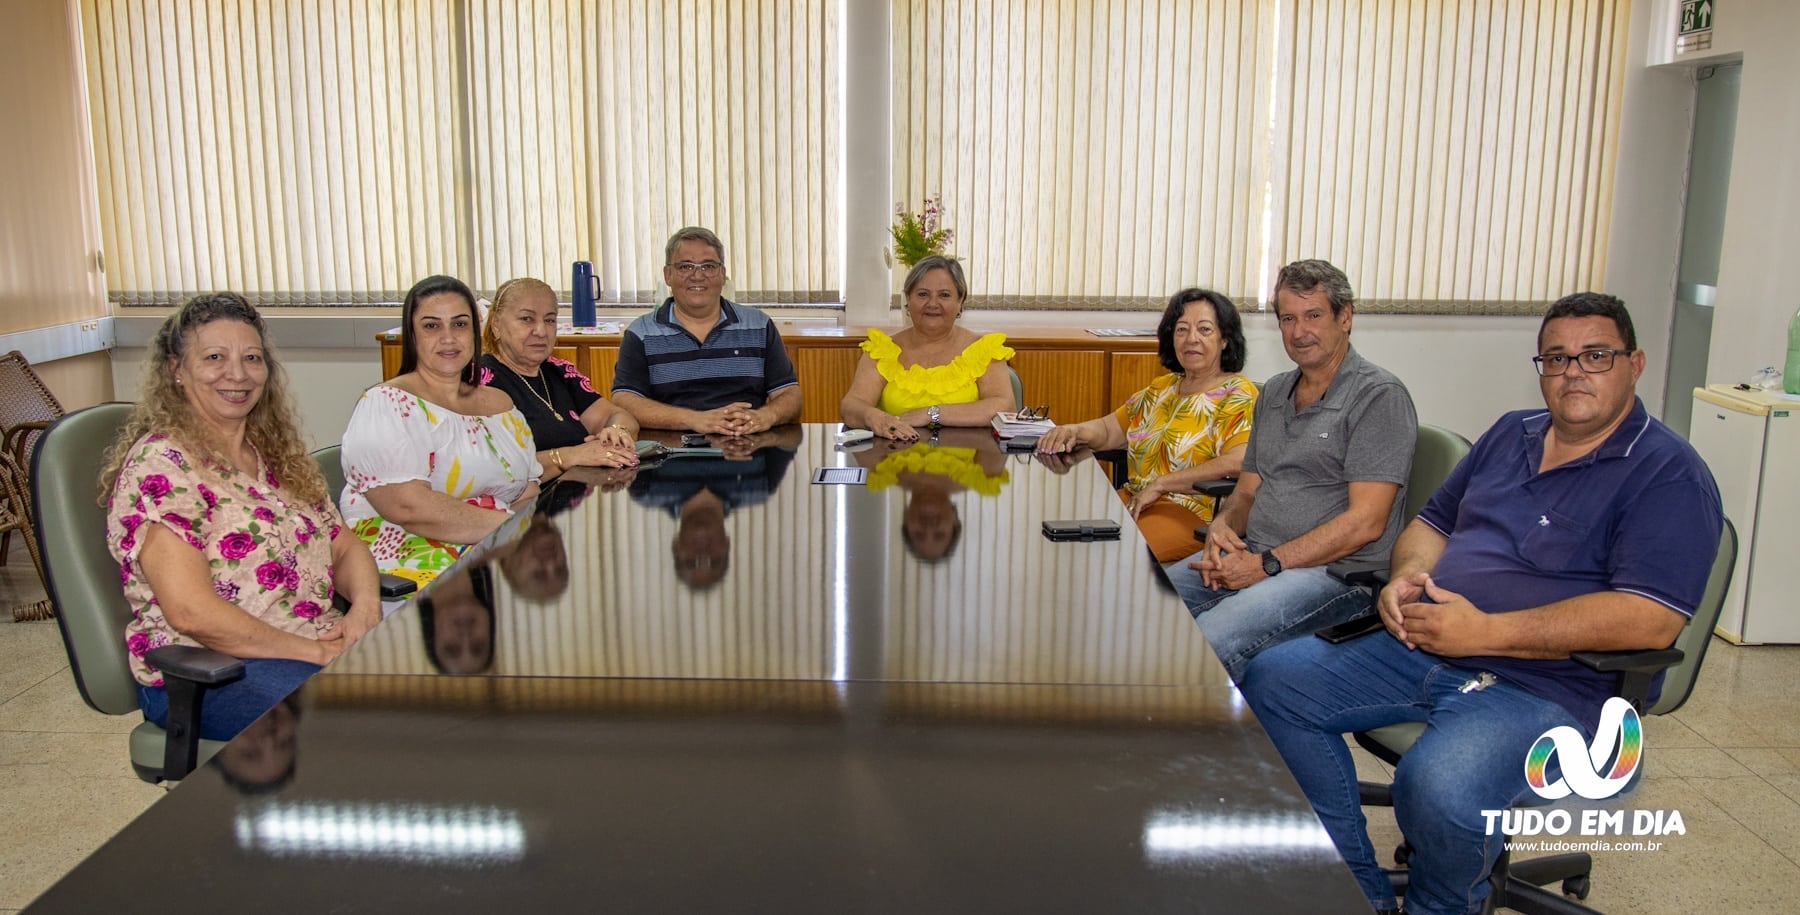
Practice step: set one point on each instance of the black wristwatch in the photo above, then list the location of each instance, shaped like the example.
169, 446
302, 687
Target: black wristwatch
1271, 565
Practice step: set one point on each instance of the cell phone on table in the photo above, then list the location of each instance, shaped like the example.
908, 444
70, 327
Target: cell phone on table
393, 586
1350, 629
1020, 443
1095, 529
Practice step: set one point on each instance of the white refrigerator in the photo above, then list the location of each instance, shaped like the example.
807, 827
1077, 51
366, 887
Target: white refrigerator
1751, 440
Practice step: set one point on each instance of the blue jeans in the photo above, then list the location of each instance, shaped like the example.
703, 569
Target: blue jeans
226, 710
1238, 624
1309, 693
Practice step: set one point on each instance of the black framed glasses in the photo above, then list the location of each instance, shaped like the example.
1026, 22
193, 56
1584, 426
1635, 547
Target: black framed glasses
1592, 361
705, 270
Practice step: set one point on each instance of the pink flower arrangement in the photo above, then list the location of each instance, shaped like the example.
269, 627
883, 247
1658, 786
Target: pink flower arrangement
918, 236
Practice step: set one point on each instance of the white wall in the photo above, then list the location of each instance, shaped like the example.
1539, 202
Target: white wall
325, 381
1757, 291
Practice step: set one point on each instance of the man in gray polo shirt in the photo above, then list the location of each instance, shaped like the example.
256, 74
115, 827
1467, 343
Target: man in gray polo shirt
1323, 480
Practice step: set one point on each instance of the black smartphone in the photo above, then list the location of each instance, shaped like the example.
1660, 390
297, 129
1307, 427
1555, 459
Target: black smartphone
1020, 443
393, 586
1350, 629
1096, 529
694, 440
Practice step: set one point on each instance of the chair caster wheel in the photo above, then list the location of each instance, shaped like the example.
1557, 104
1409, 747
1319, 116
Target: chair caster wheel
1402, 854
1577, 887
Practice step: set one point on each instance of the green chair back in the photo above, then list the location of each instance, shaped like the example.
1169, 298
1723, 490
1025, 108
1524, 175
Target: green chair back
1678, 681
80, 574
1017, 386
331, 466
1436, 452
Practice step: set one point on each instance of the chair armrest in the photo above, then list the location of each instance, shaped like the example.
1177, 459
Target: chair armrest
1370, 573
1635, 669
187, 672
1117, 457
14, 439
196, 665
1649, 660
1216, 488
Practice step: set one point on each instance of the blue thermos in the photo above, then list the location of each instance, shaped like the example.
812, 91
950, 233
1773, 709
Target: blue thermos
584, 288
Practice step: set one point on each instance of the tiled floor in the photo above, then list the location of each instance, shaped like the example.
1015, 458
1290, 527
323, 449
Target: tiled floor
1729, 761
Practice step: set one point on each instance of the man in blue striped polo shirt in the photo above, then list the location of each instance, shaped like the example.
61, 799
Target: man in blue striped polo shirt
700, 361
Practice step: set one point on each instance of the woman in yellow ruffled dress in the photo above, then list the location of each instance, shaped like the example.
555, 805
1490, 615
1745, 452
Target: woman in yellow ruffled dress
933, 373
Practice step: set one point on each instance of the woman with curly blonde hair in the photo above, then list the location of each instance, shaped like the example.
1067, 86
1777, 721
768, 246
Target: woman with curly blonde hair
225, 535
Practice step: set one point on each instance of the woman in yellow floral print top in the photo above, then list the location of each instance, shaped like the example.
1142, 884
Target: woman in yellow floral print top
434, 461
1184, 427
935, 372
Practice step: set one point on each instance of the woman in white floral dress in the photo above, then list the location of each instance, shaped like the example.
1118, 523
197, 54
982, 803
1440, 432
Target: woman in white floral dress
225, 536
433, 461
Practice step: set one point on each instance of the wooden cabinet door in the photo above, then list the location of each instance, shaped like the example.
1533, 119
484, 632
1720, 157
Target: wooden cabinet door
1130, 373
598, 364
1072, 382
825, 374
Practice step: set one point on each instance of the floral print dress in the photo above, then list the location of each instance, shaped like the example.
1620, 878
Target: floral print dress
1166, 431
268, 555
395, 437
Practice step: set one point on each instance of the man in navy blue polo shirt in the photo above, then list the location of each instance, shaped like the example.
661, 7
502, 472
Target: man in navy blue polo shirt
1590, 526
702, 362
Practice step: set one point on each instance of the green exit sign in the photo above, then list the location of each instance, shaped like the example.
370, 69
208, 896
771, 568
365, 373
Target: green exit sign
1694, 31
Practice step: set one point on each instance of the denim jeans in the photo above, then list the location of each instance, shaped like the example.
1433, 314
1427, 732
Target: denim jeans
1309, 693
1238, 624
226, 710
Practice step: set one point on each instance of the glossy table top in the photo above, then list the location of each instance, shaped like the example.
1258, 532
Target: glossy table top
720, 685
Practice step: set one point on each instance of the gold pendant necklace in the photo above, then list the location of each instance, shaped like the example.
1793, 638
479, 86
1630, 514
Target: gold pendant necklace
544, 398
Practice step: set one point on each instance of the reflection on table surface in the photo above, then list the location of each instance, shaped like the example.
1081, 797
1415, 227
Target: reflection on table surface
713, 685
739, 566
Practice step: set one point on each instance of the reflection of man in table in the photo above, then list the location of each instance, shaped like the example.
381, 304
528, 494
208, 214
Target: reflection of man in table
701, 491
954, 460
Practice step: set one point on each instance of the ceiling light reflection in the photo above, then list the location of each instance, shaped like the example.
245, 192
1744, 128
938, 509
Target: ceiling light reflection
1171, 837
410, 833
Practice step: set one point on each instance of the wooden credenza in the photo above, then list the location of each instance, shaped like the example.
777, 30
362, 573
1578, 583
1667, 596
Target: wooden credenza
1078, 374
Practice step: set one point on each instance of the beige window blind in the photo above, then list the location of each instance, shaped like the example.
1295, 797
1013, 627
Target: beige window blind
334, 153
1450, 155
1093, 154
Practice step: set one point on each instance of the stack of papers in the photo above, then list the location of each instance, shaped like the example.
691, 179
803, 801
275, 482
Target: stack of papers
1009, 425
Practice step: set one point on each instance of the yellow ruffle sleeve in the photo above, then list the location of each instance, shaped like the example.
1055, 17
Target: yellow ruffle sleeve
958, 465
912, 387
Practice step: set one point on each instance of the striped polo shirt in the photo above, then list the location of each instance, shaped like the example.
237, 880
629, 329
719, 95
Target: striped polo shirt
741, 359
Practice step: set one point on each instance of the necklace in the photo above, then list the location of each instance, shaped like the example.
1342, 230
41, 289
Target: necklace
543, 398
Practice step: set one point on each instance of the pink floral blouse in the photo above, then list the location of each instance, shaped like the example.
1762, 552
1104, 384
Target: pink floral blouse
269, 556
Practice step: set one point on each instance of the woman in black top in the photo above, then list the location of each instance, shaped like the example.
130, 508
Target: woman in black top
574, 426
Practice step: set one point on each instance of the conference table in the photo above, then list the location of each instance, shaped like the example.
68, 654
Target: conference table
715, 684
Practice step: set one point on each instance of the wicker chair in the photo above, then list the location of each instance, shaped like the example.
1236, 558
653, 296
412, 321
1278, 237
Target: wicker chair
26, 409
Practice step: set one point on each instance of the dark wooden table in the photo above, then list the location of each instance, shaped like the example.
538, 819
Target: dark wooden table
813, 715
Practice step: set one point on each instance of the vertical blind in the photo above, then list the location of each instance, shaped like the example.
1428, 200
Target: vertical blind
1090, 154
334, 153
1450, 154
1453, 155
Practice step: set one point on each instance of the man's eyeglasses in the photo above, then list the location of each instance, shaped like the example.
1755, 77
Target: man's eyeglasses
706, 270
1592, 361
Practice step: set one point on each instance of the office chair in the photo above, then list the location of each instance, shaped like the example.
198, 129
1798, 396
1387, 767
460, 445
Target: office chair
82, 579
1018, 387
329, 459
1519, 885
1436, 451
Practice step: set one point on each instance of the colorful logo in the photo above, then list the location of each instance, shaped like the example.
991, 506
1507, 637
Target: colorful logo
1583, 765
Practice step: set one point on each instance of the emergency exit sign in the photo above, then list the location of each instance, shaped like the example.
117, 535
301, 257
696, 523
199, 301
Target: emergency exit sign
1694, 32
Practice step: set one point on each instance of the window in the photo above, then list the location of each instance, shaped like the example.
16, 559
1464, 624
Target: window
1450, 156
321, 154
